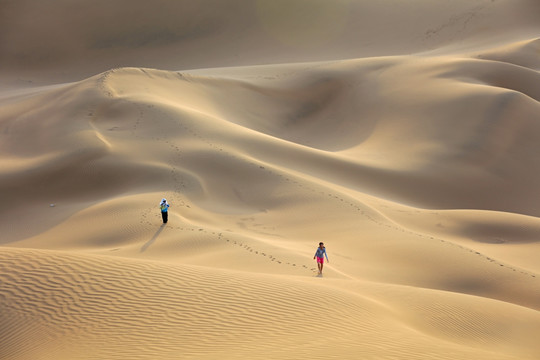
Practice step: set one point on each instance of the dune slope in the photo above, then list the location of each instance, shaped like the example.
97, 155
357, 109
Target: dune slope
404, 136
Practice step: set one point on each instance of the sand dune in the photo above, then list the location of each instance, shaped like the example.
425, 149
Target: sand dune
86, 38
404, 136
118, 308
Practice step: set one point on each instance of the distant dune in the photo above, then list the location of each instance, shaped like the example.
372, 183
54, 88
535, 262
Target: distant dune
45, 42
403, 135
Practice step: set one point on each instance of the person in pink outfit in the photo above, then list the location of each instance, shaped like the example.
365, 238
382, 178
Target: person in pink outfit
319, 255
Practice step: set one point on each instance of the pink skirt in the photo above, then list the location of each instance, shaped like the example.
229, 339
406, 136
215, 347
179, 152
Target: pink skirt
320, 260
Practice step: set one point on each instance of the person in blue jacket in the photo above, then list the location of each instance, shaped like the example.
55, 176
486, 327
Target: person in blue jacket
164, 206
320, 254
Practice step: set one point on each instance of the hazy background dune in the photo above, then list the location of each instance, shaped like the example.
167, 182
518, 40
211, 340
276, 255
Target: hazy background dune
69, 40
403, 135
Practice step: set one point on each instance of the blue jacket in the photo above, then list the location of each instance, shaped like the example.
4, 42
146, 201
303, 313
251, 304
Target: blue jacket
321, 252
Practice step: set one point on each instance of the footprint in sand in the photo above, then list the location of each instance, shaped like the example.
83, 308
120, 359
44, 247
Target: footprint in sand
271, 257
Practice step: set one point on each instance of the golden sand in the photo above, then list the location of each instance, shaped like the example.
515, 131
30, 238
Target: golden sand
404, 135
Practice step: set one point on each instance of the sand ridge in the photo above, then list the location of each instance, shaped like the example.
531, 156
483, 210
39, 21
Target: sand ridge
186, 307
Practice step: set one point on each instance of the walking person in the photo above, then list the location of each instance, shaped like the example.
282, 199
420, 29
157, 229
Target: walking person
320, 254
164, 206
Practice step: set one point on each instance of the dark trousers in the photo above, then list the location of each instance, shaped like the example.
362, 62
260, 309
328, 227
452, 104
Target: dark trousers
165, 216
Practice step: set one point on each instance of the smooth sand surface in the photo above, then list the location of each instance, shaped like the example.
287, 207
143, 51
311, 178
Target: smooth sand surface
404, 135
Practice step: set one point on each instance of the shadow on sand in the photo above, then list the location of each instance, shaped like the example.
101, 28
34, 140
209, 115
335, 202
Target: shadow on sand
151, 241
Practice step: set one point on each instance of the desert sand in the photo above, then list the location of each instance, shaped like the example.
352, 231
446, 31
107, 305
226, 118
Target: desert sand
403, 134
